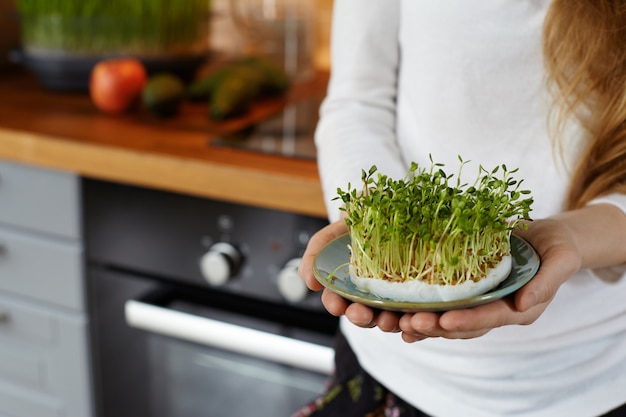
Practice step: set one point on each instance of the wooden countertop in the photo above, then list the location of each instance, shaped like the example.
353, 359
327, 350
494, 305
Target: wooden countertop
64, 131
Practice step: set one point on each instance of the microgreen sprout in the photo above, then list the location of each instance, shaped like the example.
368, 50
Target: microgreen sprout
430, 227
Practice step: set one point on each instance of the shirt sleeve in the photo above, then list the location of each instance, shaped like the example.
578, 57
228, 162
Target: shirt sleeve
616, 199
357, 118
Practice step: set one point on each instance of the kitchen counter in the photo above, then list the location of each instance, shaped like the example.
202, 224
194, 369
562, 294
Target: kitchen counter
64, 131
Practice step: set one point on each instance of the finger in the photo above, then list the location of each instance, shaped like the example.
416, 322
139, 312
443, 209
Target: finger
388, 321
361, 315
560, 259
557, 266
406, 336
488, 316
314, 246
409, 335
412, 338
424, 323
420, 326
335, 304
482, 319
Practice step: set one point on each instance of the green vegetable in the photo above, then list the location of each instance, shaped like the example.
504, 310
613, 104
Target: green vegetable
235, 93
270, 79
163, 94
230, 90
102, 26
431, 227
203, 88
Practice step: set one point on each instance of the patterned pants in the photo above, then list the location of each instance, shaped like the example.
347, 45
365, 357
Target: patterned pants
352, 392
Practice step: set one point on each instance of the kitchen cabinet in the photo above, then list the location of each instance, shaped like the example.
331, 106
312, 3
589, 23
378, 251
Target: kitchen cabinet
44, 367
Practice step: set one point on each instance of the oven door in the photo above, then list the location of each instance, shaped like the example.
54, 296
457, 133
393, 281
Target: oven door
235, 365
206, 355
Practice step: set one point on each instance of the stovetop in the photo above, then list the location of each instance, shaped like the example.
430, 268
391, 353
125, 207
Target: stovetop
289, 134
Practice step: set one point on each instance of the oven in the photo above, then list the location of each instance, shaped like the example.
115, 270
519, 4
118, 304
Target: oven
196, 308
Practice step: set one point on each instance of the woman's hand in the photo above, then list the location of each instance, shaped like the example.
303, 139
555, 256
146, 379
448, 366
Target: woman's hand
564, 243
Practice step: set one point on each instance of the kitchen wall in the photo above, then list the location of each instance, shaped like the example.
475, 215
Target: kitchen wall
224, 35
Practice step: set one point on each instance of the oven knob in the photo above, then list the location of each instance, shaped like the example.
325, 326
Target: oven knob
290, 285
220, 263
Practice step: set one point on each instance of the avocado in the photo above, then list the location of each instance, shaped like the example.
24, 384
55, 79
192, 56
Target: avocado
234, 94
163, 94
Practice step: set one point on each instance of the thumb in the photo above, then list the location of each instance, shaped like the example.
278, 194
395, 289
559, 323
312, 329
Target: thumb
557, 266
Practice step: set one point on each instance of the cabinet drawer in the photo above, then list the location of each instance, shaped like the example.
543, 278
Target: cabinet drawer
41, 269
42, 375
39, 199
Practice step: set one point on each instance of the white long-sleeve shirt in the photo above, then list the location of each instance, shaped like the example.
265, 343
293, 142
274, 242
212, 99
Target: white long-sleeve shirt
413, 78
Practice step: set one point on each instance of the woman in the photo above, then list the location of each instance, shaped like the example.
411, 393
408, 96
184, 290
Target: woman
539, 85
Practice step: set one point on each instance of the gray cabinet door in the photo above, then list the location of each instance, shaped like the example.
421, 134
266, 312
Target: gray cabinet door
44, 361
40, 200
42, 269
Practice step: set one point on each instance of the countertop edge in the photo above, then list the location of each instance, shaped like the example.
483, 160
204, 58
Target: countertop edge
166, 172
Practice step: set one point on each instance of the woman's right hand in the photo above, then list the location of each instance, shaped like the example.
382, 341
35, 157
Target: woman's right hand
315, 245
336, 305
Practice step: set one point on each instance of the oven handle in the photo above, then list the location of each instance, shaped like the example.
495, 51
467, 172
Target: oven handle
243, 340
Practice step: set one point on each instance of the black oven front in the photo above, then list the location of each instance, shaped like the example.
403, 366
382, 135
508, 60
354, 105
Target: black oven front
196, 308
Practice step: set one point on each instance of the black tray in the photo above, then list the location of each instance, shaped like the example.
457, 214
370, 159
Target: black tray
71, 73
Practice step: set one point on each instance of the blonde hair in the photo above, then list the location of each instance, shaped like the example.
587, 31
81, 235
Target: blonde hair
585, 56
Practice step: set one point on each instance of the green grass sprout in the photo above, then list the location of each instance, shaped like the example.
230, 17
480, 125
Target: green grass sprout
430, 227
85, 27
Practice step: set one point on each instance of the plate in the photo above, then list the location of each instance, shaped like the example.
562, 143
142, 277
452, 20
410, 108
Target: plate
331, 270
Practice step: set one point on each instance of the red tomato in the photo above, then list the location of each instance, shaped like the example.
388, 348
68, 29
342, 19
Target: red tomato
116, 84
